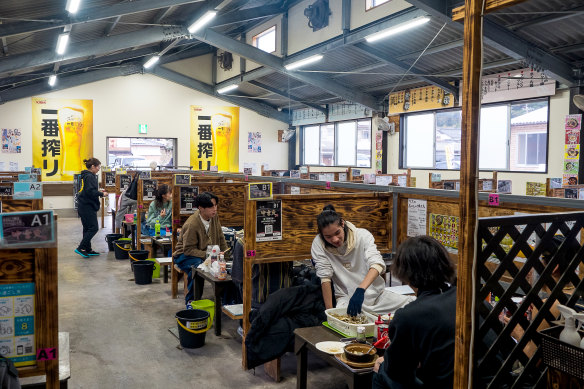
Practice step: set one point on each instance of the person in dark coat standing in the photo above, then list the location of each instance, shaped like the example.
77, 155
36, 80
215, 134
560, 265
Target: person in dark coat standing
88, 205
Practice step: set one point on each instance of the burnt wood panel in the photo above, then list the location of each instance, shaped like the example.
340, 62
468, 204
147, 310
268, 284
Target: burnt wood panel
59, 189
16, 266
10, 205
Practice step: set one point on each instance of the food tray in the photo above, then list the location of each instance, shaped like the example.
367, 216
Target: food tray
560, 355
350, 329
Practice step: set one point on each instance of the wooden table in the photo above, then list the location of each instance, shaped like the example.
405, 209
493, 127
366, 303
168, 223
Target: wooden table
127, 229
306, 338
163, 243
218, 287
165, 264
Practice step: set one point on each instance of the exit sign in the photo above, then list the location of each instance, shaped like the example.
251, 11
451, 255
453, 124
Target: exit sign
142, 128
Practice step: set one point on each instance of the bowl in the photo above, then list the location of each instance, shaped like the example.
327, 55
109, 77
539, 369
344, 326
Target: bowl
356, 352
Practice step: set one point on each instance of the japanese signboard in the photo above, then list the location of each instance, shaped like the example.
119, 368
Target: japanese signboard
62, 136
417, 211
187, 198
110, 178
182, 179
215, 138
17, 323
260, 191
6, 190
269, 220
148, 188
21, 229
125, 181
145, 174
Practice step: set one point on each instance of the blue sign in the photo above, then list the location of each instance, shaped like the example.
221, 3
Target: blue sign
27, 191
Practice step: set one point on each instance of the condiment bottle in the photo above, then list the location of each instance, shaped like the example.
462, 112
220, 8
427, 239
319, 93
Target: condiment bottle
360, 338
157, 228
381, 327
222, 268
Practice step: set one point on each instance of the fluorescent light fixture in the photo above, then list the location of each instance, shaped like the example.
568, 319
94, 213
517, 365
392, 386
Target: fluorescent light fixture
73, 6
151, 62
62, 43
227, 88
303, 62
206, 18
397, 29
52, 80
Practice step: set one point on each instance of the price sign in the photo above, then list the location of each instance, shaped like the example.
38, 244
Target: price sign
493, 199
125, 181
27, 228
260, 191
182, 179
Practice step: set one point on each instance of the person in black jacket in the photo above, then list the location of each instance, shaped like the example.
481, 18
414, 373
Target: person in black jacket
88, 205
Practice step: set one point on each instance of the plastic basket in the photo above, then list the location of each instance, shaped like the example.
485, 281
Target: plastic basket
350, 329
560, 355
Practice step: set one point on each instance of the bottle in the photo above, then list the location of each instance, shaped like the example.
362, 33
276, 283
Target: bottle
135, 217
157, 228
214, 254
381, 326
167, 231
569, 334
360, 338
222, 267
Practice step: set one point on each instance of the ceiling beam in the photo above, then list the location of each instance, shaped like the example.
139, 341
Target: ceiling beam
160, 15
490, 6
390, 59
89, 15
112, 25
569, 48
551, 18
18, 64
244, 15
256, 55
262, 109
4, 46
506, 41
288, 96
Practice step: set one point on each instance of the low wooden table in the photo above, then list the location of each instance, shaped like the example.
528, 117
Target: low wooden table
218, 287
306, 339
127, 229
165, 264
162, 243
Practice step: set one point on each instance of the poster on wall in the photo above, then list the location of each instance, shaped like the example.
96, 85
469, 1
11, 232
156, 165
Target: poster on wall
572, 126
17, 323
110, 178
62, 136
215, 138
187, 198
445, 229
535, 188
417, 210
148, 189
254, 142
268, 220
11, 141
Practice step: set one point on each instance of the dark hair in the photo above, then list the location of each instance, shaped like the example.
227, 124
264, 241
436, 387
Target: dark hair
552, 246
204, 200
329, 216
91, 162
422, 262
159, 192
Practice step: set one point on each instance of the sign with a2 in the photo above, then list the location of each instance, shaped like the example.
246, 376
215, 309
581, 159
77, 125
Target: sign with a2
28, 191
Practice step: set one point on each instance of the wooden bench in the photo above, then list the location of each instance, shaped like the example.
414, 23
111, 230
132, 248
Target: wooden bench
184, 277
165, 264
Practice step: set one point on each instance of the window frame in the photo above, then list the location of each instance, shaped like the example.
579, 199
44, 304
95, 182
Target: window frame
403, 143
174, 148
369, 6
264, 33
335, 145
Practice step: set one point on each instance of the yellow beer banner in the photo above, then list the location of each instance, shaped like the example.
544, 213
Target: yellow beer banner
420, 99
215, 138
62, 136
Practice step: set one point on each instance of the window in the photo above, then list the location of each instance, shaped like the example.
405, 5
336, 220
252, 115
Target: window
513, 137
345, 143
373, 3
266, 40
141, 152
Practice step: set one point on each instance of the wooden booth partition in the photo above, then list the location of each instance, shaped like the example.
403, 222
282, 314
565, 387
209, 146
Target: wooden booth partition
11, 205
28, 276
371, 210
230, 210
108, 183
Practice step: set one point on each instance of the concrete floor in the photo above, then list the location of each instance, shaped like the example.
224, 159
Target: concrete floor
119, 331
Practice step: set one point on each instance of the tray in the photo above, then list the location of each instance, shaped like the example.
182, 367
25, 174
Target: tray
350, 329
356, 365
560, 355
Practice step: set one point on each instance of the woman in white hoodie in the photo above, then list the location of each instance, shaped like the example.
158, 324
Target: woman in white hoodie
348, 256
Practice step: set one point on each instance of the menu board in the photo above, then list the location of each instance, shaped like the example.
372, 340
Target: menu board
445, 229
417, 211
148, 189
187, 198
125, 181
22, 229
269, 220
182, 179
110, 178
17, 323
260, 191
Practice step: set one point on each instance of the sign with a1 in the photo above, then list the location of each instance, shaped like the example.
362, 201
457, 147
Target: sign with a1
27, 228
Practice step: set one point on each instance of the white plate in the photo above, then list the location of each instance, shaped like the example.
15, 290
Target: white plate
331, 347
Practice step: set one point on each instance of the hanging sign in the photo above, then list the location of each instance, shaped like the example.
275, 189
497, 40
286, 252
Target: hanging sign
269, 220
28, 191
420, 99
182, 179
148, 188
17, 323
187, 198
21, 229
259, 191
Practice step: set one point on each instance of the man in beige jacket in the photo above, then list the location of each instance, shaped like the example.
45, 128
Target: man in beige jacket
201, 229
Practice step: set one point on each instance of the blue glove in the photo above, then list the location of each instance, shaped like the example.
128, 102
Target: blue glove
356, 302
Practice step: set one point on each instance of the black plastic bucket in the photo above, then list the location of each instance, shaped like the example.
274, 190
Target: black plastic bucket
193, 325
110, 238
143, 272
122, 248
138, 255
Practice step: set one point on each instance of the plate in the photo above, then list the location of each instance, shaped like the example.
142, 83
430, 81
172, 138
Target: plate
358, 365
331, 347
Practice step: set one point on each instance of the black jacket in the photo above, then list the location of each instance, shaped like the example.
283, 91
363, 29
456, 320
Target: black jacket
272, 329
89, 194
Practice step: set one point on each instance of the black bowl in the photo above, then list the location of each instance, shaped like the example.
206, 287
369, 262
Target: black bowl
356, 352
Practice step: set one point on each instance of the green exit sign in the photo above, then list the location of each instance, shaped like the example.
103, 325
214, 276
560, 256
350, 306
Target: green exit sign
142, 128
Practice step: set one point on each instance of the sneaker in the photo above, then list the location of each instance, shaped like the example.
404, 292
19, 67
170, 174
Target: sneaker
92, 253
82, 252
190, 305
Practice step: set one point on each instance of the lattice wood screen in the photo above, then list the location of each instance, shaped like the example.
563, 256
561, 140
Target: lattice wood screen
502, 271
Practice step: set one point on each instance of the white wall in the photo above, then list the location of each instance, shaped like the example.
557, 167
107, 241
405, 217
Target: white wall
361, 17
559, 105
121, 103
198, 68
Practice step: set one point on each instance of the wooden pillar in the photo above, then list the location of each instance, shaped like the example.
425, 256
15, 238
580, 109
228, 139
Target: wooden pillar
468, 202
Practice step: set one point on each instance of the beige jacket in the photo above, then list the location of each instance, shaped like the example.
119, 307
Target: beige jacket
193, 240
